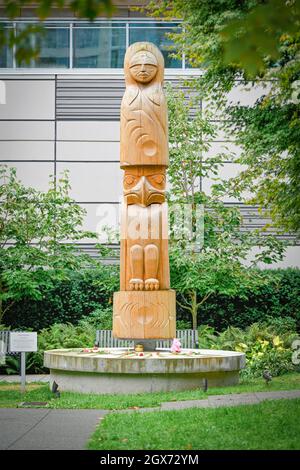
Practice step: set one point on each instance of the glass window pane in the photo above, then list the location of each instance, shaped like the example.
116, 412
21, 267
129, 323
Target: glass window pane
99, 24
99, 47
54, 48
6, 53
156, 33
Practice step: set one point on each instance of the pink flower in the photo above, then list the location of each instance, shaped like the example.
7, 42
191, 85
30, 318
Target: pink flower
176, 346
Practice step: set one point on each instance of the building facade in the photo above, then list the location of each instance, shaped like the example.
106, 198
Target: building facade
61, 112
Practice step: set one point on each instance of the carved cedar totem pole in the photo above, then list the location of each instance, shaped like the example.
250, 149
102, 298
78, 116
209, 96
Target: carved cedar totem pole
145, 307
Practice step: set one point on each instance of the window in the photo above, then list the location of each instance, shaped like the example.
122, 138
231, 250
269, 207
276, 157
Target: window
80, 44
158, 34
99, 47
6, 54
54, 47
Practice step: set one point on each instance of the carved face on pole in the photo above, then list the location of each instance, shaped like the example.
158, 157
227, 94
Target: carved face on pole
144, 129
143, 66
144, 186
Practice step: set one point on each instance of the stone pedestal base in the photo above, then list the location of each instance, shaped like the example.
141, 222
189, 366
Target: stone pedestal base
144, 314
113, 370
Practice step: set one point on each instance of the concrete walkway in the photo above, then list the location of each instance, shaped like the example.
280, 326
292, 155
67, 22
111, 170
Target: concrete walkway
234, 399
29, 378
44, 429
215, 401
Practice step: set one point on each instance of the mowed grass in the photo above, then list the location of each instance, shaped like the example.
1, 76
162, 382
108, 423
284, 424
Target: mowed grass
268, 425
10, 395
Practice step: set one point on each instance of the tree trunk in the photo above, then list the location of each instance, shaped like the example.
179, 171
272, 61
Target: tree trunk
194, 309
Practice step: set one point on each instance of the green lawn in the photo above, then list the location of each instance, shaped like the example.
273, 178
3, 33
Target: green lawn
268, 425
10, 395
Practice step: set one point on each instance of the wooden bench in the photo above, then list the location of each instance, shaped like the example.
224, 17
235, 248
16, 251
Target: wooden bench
4, 344
188, 338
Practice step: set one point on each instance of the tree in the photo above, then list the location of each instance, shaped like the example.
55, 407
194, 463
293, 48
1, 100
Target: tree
255, 35
216, 263
248, 40
37, 235
25, 49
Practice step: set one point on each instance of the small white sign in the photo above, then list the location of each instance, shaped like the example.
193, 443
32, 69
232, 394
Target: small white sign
22, 341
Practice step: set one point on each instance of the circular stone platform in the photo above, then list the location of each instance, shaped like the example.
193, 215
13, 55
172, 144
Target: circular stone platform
122, 371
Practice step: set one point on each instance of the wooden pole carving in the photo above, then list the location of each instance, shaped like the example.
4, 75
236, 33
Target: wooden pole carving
144, 308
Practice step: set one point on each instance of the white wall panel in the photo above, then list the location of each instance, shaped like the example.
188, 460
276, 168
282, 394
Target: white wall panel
291, 259
245, 95
88, 130
228, 170
95, 182
88, 151
29, 99
26, 130
99, 216
36, 174
229, 149
26, 150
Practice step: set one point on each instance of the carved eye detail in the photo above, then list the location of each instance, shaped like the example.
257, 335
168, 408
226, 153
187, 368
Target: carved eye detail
129, 180
157, 180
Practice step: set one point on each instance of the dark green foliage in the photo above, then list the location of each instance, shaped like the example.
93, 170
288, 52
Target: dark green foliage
90, 291
99, 319
280, 299
68, 301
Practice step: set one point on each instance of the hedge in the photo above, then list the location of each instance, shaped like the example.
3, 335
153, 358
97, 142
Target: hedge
68, 301
71, 300
280, 299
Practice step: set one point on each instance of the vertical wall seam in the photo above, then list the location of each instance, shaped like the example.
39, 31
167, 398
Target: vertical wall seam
55, 131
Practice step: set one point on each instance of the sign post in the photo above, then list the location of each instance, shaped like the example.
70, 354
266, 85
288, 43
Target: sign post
23, 372
23, 341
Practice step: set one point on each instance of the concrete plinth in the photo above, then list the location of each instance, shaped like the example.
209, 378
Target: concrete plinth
123, 371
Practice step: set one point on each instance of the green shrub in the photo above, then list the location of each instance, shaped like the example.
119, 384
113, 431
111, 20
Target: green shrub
91, 290
60, 336
183, 325
280, 325
12, 365
68, 302
277, 300
267, 345
101, 319
259, 358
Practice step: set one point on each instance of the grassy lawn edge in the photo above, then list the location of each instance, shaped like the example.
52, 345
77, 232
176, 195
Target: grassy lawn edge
11, 397
270, 425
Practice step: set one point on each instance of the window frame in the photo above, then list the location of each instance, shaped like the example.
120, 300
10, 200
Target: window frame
74, 24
